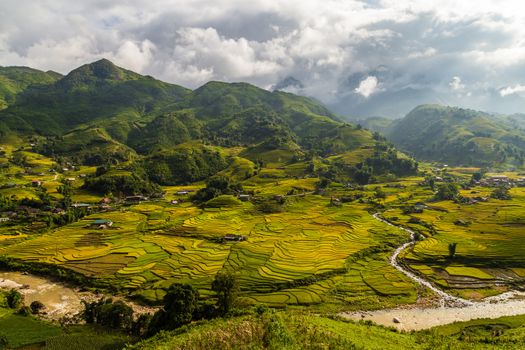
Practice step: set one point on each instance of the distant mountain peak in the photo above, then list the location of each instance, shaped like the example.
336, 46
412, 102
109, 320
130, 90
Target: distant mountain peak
100, 71
287, 83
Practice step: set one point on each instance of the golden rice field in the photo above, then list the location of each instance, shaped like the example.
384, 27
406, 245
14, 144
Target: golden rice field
490, 251
305, 255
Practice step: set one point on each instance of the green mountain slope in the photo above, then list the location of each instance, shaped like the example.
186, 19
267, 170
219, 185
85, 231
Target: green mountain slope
99, 92
100, 113
459, 136
14, 80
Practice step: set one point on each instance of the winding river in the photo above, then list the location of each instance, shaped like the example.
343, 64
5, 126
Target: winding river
61, 300
451, 309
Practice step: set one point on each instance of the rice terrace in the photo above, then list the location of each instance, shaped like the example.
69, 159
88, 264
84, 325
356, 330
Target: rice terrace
262, 175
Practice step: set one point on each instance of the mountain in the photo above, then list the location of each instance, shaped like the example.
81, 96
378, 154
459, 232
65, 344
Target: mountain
289, 83
460, 136
101, 114
97, 91
14, 80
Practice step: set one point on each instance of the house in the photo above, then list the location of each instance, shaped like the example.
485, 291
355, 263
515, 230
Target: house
174, 201
136, 199
105, 200
80, 205
71, 179
36, 183
102, 223
244, 197
498, 179
182, 193
233, 238
4, 219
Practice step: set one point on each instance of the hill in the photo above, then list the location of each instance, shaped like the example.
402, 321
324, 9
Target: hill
99, 91
15, 80
460, 136
100, 113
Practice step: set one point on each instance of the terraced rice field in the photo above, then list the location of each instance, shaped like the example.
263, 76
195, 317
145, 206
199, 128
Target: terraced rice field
490, 252
305, 255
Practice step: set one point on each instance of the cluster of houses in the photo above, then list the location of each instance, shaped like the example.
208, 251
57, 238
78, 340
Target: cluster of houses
500, 180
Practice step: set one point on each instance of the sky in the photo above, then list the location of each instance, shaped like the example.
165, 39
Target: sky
361, 58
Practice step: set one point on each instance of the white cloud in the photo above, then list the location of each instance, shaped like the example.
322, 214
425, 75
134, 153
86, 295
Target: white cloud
511, 90
456, 84
424, 54
320, 42
367, 87
135, 56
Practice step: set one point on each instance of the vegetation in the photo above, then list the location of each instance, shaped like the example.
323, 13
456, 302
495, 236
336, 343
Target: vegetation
459, 136
180, 307
226, 286
223, 204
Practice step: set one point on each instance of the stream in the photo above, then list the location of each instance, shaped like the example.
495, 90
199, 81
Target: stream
451, 309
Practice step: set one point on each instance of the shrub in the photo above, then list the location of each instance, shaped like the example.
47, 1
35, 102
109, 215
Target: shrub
36, 306
14, 299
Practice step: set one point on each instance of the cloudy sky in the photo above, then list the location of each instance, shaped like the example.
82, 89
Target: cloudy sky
375, 57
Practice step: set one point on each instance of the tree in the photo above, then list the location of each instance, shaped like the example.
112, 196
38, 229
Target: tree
14, 299
141, 325
215, 186
452, 250
379, 193
19, 158
3, 342
180, 303
226, 286
107, 313
66, 191
477, 176
447, 191
501, 192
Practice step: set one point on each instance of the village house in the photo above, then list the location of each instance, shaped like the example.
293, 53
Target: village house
182, 193
80, 205
4, 219
36, 183
101, 224
136, 199
244, 197
498, 180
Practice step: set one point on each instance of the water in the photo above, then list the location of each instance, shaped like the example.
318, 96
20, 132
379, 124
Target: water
451, 309
59, 299
445, 298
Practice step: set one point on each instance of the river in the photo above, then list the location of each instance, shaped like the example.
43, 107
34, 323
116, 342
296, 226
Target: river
59, 299
451, 309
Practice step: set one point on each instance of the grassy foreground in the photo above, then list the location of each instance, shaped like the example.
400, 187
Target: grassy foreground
284, 330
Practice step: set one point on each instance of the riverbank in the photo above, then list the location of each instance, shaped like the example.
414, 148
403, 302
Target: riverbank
451, 309
415, 318
59, 299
